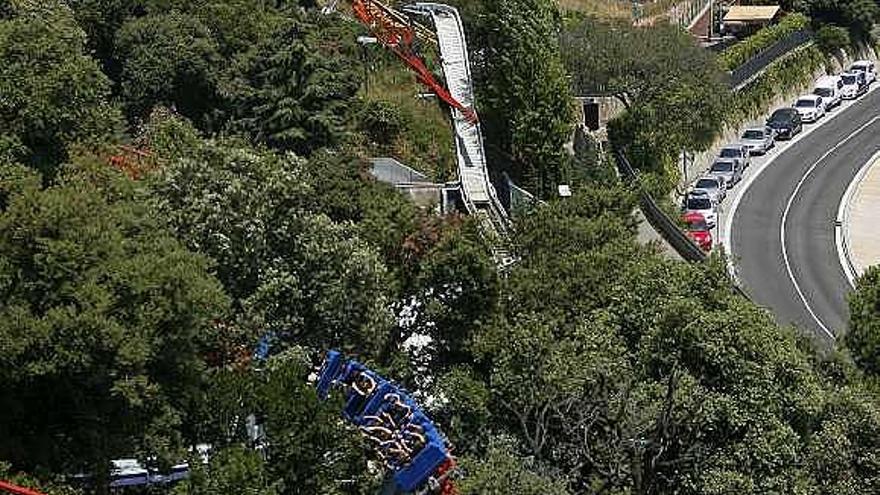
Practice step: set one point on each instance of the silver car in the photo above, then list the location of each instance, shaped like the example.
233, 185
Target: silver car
728, 169
758, 140
713, 186
736, 152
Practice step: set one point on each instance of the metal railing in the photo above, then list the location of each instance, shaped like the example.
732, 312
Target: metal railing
686, 14
741, 75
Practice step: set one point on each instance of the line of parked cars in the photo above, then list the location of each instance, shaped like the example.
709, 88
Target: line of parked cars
705, 196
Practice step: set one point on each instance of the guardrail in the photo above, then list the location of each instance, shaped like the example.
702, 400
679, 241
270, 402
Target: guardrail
658, 218
661, 222
745, 72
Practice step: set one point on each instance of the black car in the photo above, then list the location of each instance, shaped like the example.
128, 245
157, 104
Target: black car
786, 122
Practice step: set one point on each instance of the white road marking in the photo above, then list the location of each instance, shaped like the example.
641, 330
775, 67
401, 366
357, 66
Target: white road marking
788, 208
727, 220
840, 229
779, 149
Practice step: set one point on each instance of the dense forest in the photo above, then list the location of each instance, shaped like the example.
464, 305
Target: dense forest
131, 298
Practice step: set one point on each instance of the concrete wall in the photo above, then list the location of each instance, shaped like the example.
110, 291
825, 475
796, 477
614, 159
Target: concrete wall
609, 107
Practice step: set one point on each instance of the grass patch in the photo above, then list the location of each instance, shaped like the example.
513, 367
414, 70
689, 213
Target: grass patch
425, 140
618, 9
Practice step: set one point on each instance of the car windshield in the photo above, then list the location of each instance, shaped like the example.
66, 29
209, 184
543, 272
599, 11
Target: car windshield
780, 117
699, 204
805, 103
730, 153
722, 167
855, 68
755, 134
823, 92
706, 184
697, 225
849, 79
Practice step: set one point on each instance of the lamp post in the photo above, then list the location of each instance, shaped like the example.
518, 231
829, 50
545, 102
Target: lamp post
364, 41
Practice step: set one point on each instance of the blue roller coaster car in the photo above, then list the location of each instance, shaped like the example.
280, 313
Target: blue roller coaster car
403, 436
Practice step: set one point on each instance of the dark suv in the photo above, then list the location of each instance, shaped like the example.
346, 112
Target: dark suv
786, 122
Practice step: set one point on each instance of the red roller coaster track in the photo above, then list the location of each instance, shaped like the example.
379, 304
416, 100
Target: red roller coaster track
6, 487
399, 33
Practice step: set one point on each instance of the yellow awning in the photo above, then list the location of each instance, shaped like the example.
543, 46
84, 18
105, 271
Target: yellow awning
751, 13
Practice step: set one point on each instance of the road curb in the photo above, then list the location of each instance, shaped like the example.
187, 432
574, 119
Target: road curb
842, 237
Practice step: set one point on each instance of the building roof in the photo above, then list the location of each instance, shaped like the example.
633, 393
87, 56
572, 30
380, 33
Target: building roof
751, 13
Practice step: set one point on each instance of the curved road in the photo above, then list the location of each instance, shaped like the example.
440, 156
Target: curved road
783, 231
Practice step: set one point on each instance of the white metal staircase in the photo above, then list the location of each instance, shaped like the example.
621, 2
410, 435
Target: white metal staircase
477, 191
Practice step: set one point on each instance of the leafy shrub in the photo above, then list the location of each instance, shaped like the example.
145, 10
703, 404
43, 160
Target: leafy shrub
740, 53
382, 121
832, 38
793, 71
864, 324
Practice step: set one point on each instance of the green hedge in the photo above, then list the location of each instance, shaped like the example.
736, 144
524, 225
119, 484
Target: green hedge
786, 74
741, 52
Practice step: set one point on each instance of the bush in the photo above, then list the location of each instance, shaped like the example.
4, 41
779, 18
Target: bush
863, 339
790, 72
382, 121
740, 53
831, 39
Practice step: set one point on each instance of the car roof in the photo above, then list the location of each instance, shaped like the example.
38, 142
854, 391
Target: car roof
692, 216
733, 145
708, 177
809, 97
784, 111
723, 160
861, 63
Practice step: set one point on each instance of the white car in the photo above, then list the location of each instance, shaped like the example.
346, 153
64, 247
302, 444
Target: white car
736, 152
700, 202
810, 107
712, 185
853, 85
758, 140
829, 87
866, 67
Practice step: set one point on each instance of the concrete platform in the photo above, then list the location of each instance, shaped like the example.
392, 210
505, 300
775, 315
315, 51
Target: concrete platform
862, 227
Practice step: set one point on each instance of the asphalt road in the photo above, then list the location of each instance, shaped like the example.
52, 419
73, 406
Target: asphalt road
782, 235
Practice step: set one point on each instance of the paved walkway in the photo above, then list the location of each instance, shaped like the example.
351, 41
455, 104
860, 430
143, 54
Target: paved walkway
861, 229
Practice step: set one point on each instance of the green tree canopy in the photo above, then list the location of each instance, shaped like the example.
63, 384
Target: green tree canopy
104, 324
295, 271
656, 72
863, 337
169, 59
293, 90
54, 94
523, 92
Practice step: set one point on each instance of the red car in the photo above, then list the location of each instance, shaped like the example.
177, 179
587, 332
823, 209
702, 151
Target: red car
698, 230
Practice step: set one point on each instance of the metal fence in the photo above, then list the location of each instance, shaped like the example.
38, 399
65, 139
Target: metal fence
685, 14
744, 73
